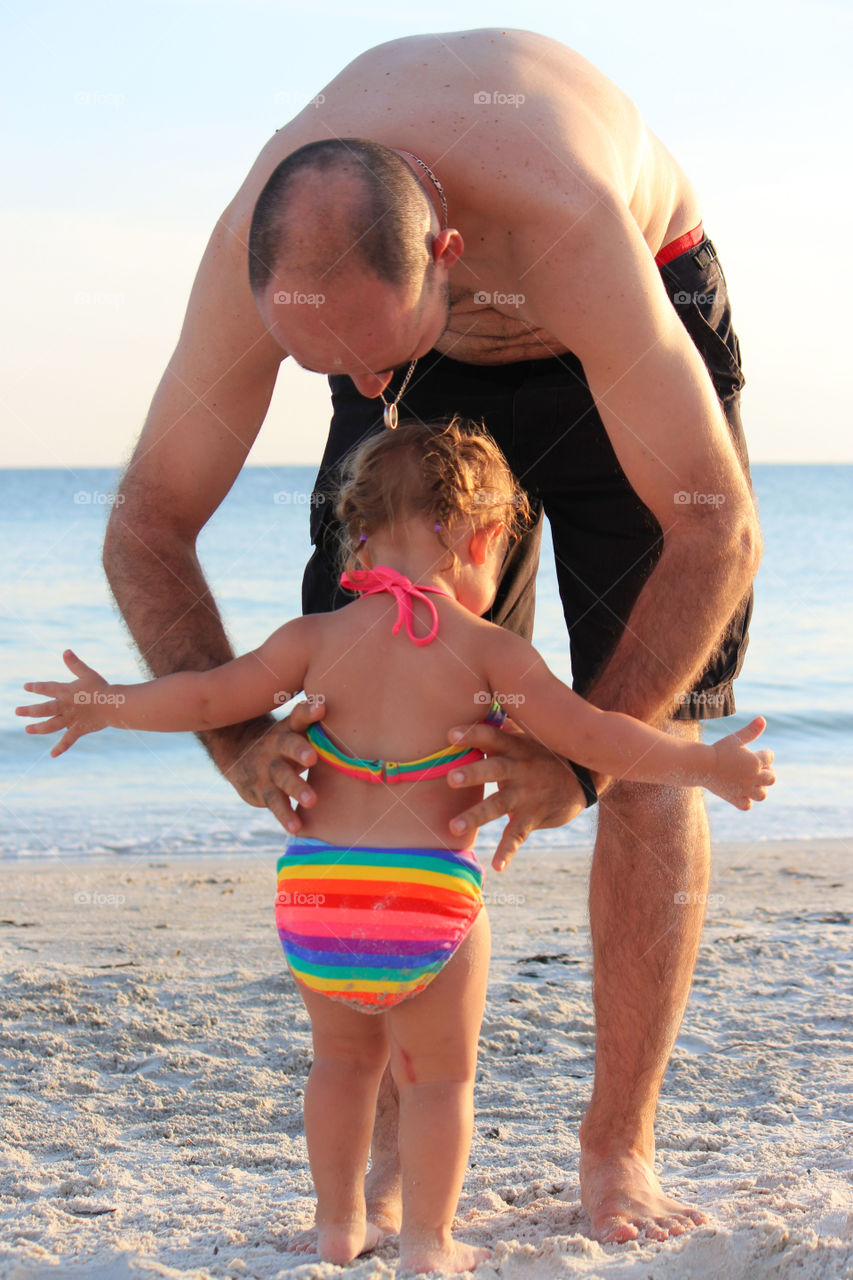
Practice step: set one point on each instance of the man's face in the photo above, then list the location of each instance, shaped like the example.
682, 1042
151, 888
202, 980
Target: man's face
365, 328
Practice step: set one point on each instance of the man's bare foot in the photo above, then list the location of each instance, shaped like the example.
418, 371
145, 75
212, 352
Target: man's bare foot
384, 1195
339, 1242
436, 1254
623, 1197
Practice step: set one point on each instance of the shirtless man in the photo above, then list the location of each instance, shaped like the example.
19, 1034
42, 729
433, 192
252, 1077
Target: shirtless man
538, 285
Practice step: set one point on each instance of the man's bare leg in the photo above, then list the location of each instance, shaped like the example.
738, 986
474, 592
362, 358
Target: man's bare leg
382, 1186
652, 845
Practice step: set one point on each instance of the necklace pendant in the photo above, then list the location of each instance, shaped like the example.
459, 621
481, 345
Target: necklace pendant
390, 417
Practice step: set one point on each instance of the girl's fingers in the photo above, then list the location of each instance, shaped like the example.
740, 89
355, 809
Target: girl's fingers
751, 731
38, 709
76, 665
67, 740
47, 726
48, 688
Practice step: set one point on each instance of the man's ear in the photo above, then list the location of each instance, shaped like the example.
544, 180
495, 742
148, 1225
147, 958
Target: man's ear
447, 247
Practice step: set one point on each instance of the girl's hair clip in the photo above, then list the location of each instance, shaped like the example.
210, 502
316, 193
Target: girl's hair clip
437, 528
362, 537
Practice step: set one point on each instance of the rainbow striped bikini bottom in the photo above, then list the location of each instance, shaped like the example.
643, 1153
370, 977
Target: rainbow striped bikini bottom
373, 926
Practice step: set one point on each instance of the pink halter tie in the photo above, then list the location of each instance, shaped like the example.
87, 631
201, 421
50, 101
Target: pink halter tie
370, 582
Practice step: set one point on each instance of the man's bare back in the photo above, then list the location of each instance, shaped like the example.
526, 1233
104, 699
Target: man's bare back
565, 133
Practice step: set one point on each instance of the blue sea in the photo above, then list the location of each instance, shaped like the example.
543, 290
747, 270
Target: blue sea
158, 794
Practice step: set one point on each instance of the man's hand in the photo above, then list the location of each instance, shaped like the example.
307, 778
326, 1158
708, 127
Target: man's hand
264, 764
535, 787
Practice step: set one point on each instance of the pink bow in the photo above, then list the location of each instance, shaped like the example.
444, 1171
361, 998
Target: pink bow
369, 582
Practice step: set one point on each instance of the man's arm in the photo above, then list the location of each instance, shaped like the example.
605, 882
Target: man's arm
205, 415
666, 426
597, 290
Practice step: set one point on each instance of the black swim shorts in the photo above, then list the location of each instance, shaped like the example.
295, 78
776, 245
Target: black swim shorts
541, 413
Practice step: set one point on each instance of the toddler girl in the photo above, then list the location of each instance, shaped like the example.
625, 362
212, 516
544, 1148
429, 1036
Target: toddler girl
379, 909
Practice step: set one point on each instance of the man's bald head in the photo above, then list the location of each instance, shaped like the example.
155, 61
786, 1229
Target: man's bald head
339, 207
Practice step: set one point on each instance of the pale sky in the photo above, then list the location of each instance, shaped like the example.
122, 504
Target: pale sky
129, 126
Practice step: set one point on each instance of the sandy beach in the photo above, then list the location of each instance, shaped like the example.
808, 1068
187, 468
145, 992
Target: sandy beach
154, 1054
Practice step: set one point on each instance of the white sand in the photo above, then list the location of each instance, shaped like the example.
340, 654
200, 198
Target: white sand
154, 1053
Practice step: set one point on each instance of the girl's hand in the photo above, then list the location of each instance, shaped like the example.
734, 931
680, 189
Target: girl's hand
740, 775
79, 706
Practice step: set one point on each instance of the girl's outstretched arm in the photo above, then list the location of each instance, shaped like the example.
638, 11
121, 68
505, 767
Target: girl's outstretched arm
617, 745
239, 690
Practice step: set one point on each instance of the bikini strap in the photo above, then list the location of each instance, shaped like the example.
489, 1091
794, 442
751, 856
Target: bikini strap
369, 582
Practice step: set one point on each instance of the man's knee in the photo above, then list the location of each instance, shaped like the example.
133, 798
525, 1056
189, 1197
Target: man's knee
647, 812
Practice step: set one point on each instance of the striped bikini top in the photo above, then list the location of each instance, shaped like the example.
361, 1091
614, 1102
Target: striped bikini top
370, 582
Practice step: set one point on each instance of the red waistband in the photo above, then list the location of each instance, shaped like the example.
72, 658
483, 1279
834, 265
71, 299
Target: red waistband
676, 247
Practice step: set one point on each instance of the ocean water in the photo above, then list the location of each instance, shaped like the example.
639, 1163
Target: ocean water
158, 793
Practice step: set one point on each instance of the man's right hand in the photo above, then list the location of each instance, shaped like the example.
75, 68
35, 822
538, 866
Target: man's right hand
536, 788
263, 762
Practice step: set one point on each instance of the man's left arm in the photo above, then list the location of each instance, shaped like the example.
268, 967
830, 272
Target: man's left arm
598, 292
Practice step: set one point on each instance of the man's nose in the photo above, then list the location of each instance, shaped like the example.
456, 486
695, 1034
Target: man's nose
372, 384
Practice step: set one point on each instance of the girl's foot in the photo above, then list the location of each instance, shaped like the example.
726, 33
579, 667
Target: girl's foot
448, 1258
338, 1242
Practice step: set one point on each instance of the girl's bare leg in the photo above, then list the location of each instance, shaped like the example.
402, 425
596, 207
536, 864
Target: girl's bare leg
350, 1054
434, 1059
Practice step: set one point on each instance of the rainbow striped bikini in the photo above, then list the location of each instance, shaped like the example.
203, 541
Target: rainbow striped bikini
372, 926
367, 925
433, 766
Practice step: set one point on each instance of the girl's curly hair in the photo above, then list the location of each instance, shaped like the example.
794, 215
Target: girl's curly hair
446, 474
